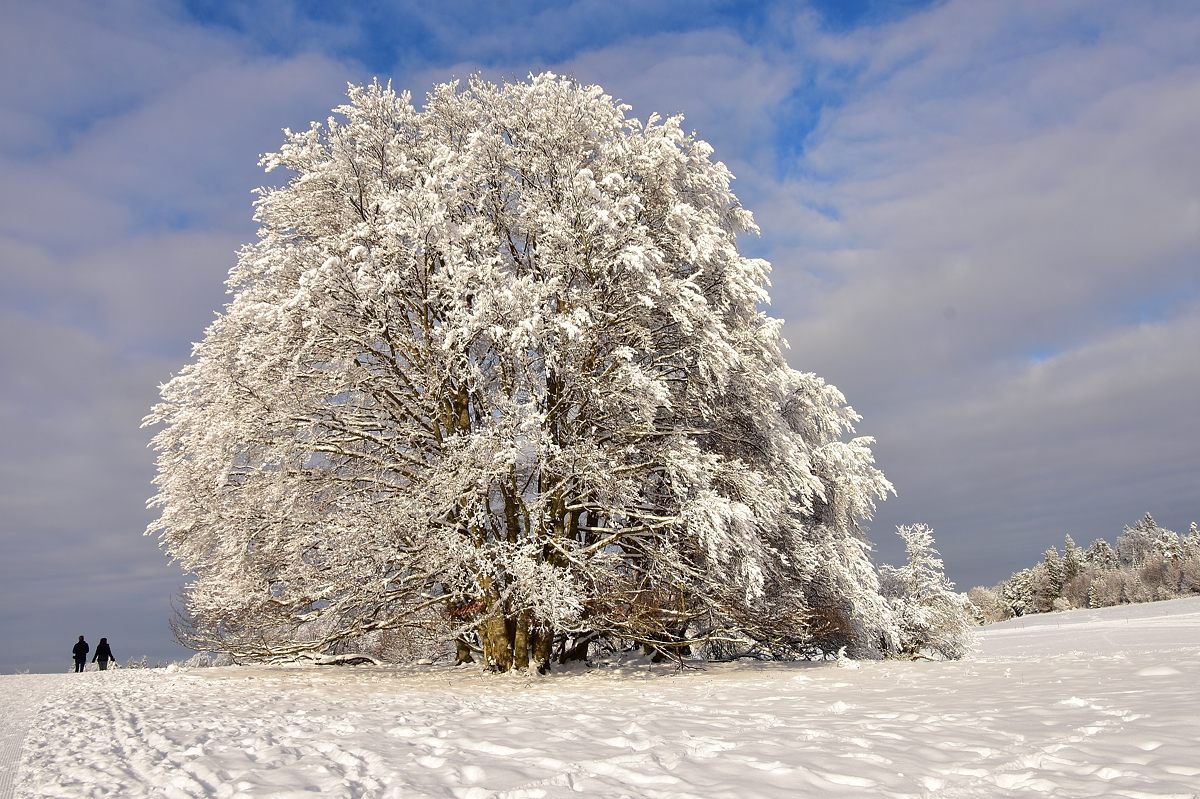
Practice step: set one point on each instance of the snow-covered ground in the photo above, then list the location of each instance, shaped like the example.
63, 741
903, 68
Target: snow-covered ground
1086, 704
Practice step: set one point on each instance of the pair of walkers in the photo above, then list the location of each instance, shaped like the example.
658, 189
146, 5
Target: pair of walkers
102, 656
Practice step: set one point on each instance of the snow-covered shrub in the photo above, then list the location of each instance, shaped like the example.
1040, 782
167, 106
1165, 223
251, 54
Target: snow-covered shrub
1076, 589
499, 361
1190, 573
988, 605
204, 660
1134, 589
1107, 589
929, 614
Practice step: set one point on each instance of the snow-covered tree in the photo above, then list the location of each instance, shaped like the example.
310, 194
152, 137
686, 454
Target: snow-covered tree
1190, 567
1138, 540
1107, 589
1056, 572
988, 605
1042, 589
1073, 559
1017, 593
930, 614
1101, 556
1169, 545
496, 371
1149, 563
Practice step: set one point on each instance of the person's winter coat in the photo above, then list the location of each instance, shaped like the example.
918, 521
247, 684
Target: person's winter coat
80, 650
103, 653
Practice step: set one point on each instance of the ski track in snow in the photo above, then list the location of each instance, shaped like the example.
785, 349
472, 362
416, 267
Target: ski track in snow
1108, 711
22, 696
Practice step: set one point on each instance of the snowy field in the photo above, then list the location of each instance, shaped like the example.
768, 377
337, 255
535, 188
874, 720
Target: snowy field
1085, 704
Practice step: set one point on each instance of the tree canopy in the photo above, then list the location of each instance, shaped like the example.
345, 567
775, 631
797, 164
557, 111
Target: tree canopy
496, 373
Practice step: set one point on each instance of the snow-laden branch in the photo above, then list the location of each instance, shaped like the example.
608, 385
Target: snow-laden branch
494, 371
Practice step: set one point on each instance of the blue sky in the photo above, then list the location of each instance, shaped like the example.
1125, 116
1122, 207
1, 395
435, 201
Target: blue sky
984, 221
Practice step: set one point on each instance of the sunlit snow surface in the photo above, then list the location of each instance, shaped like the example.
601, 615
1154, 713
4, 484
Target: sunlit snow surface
1086, 704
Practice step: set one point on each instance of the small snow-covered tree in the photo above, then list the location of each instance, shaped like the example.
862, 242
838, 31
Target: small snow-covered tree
1017, 592
1073, 559
930, 614
496, 371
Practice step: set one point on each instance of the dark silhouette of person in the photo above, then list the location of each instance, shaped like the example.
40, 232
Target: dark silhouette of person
103, 654
80, 652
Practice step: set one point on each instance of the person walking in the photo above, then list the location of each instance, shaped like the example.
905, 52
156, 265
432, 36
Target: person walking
80, 651
103, 654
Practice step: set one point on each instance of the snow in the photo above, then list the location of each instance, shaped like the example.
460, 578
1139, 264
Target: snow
1157, 626
1082, 704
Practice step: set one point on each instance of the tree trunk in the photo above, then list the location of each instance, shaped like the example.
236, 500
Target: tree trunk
543, 649
497, 647
514, 643
521, 643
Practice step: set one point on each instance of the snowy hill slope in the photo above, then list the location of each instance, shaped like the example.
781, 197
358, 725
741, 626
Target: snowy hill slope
1084, 704
1154, 626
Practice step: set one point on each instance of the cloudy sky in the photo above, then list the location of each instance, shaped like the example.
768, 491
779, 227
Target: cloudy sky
984, 220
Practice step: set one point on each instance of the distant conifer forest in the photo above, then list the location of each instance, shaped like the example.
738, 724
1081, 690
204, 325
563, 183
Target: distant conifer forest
1147, 564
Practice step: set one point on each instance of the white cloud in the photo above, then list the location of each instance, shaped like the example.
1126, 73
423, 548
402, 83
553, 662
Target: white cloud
1011, 182
127, 190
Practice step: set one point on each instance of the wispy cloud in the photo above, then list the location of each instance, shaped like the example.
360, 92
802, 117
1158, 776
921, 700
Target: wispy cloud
128, 157
1014, 194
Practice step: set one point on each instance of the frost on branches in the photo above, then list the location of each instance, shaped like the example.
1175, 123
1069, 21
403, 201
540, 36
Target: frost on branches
494, 374
930, 615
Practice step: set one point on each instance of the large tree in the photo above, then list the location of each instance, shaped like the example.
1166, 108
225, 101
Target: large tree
496, 370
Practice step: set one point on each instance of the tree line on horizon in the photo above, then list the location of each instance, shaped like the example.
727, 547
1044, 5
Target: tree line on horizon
1148, 563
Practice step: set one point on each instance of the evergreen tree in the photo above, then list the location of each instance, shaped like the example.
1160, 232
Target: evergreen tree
1056, 572
1170, 545
1017, 592
1073, 559
1101, 556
